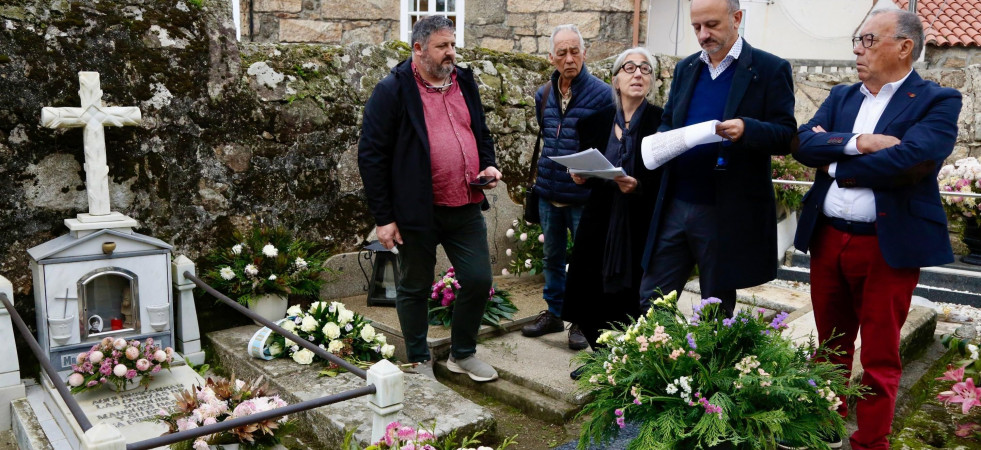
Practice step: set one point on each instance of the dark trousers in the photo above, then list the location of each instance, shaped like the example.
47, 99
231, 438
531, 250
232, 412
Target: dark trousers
463, 234
853, 290
687, 237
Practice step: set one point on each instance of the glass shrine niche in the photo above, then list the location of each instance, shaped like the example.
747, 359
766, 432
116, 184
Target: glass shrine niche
108, 303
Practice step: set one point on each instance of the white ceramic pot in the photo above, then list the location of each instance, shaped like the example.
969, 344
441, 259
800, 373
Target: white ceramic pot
159, 316
271, 307
223, 447
786, 229
61, 329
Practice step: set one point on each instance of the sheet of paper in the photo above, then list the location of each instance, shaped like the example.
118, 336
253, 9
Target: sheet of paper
608, 174
658, 149
590, 159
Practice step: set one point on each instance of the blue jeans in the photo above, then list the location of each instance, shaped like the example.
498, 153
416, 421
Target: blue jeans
557, 223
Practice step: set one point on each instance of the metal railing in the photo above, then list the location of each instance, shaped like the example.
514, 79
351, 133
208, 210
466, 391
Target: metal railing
46, 365
944, 193
226, 425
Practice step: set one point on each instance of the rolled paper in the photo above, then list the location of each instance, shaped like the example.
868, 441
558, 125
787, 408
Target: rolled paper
657, 149
116, 324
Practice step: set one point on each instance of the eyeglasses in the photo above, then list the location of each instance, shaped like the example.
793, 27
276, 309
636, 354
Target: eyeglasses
868, 39
630, 67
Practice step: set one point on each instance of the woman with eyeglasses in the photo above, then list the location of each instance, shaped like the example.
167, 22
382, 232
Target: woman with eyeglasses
605, 271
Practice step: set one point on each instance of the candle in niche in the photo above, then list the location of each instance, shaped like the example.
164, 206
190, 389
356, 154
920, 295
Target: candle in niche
117, 324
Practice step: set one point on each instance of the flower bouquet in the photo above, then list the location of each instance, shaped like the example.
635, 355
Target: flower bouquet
703, 382
403, 437
790, 196
219, 400
265, 261
445, 291
960, 395
963, 176
334, 328
118, 362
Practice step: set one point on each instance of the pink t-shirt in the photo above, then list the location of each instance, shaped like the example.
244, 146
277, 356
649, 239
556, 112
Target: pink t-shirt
452, 146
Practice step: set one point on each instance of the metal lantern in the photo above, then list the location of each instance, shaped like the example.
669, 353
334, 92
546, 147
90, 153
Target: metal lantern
384, 279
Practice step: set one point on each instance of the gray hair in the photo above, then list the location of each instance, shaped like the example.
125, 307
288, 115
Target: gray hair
733, 5
909, 26
426, 26
569, 27
618, 63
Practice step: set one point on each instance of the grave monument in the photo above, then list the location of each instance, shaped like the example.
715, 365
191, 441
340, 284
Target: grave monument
101, 280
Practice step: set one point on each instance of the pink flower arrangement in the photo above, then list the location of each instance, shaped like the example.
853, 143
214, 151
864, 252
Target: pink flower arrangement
962, 391
445, 291
118, 362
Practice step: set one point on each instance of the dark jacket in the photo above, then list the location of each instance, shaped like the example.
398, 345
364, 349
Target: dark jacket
589, 95
393, 152
586, 303
910, 220
762, 94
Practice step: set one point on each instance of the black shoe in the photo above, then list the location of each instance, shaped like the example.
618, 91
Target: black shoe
577, 341
577, 374
545, 323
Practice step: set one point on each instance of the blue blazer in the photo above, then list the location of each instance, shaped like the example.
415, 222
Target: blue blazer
910, 220
762, 94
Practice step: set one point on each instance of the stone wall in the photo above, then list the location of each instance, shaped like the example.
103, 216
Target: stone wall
501, 25
951, 57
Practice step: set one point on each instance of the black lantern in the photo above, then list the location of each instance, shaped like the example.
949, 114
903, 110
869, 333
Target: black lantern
384, 279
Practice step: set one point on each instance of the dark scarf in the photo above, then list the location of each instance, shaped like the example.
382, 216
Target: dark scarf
617, 254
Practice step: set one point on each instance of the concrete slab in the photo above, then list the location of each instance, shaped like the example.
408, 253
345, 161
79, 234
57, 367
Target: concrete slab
27, 428
426, 401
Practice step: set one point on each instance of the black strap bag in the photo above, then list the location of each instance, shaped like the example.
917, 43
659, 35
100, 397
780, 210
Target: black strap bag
531, 197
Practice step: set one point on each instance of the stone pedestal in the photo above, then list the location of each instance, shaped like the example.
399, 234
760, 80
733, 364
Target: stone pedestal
11, 387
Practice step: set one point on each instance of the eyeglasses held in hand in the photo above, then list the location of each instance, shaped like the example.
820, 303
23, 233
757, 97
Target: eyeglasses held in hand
630, 67
869, 39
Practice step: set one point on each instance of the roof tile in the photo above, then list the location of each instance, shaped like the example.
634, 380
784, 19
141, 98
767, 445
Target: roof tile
949, 22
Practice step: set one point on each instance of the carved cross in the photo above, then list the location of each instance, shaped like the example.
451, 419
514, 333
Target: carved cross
93, 116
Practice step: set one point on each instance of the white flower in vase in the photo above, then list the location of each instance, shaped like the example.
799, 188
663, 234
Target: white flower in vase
227, 273
270, 251
251, 270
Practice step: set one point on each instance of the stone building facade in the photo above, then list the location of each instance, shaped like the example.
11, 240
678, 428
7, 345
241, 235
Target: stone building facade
500, 25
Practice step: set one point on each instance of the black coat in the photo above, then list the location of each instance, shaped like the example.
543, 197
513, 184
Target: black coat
393, 152
585, 303
762, 94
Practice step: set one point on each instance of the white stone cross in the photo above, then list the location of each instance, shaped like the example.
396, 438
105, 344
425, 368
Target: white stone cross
93, 116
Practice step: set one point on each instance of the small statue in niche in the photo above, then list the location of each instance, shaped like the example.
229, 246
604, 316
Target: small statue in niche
126, 308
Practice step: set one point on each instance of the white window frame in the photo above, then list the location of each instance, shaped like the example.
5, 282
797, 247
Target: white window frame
405, 23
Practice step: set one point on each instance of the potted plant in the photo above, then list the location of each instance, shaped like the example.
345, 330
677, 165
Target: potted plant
702, 382
262, 267
334, 328
445, 291
222, 399
964, 176
529, 249
119, 365
789, 197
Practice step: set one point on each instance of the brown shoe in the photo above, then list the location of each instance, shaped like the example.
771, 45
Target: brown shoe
577, 340
545, 323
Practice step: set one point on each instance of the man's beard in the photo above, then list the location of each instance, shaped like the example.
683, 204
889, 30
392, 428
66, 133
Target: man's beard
438, 71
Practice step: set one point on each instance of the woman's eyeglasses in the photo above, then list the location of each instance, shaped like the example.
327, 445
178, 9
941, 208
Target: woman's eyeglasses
630, 67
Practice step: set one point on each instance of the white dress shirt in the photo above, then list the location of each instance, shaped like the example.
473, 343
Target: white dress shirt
858, 204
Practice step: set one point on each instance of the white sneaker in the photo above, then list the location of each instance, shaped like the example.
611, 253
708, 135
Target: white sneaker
475, 368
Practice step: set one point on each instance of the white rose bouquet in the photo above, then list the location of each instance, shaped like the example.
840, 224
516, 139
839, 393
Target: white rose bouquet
266, 261
332, 327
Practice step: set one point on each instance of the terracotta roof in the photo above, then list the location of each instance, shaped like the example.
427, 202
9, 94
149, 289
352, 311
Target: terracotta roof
949, 23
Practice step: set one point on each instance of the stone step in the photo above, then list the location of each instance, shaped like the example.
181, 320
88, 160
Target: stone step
950, 283
427, 402
27, 429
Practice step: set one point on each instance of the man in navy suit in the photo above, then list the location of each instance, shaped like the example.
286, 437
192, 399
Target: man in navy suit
873, 216
715, 206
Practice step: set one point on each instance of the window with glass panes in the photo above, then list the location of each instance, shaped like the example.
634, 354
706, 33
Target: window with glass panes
413, 10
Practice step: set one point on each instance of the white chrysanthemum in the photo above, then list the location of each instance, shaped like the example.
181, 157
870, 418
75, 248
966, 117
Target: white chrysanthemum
270, 251
300, 263
523, 237
368, 333
514, 223
309, 324
331, 330
387, 350
237, 249
227, 273
272, 277
303, 356
251, 270
344, 317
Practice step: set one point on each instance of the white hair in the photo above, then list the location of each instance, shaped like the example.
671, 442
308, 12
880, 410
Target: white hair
570, 27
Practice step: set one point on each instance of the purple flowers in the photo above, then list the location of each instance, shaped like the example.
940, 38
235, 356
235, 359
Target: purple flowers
778, 322
621, 422
691, 341
729, 322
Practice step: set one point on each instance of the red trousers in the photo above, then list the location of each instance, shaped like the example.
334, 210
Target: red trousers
852, 290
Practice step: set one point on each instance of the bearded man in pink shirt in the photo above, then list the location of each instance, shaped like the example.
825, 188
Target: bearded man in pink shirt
424, 144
